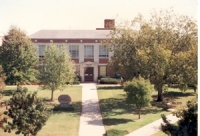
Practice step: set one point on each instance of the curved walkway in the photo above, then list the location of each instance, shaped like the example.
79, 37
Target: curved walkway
153, 127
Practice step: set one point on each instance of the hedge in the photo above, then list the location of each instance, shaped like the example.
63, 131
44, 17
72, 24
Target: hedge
109, 80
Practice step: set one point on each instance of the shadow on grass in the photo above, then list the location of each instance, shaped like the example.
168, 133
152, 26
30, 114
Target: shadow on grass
119, 106
109, 87
115, 121
178, 94
8, 92
110, 121
75, 108
172, 95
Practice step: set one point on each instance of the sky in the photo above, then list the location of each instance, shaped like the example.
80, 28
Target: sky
34, 15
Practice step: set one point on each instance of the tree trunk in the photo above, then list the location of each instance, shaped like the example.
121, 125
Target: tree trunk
160, 96
160, 93
26, 134
139, 113
195, 88
51, 95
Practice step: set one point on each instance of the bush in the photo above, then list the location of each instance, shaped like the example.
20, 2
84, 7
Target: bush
109, 81
99, 77
59, 108
77, 80
116, 132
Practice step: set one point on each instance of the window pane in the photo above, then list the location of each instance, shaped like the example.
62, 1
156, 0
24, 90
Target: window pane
103, 52
102, 71
74, 50
41, 50
89, 51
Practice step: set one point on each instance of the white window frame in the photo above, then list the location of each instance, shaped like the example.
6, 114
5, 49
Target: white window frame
41, 50
103, 52
89, 51
74, 51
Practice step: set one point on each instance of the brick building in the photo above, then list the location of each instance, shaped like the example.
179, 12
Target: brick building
89, 55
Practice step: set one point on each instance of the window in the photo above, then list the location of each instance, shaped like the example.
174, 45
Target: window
74, 50
103, 52
89, 51
41, 50
59, 47
102, 71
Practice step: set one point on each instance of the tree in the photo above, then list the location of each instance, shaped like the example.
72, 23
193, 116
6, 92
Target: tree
18, 57
2, 79
138, 92
58, 68
153, 48
28, 113
2, 86
187, 125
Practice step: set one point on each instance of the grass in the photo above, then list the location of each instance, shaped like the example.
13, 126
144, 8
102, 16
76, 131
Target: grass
119, 115
59, 123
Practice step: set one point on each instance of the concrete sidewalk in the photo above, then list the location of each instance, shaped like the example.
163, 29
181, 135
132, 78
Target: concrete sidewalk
153, 127
91, 120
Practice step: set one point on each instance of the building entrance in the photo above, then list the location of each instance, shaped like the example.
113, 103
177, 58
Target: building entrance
89, 74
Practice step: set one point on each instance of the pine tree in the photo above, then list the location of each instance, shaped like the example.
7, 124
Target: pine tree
28, 113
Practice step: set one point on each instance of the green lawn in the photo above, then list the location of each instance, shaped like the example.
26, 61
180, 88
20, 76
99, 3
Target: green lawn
119, 115
59, 123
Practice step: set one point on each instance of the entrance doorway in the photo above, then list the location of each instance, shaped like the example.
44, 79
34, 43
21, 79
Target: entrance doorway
89, 74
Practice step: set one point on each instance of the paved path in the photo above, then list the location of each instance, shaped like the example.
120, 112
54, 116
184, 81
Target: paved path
152, 128
91, 120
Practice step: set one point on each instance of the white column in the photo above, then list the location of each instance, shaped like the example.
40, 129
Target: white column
95, 72
96, 53
81, 53
82, 72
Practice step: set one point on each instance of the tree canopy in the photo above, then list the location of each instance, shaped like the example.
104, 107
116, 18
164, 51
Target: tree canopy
138, 92
18, 57
162, 49
57, 68
28, 113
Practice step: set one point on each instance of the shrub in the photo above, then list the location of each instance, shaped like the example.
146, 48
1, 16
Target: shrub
59, 108
109, 81
77, 80
116, 132
99, 77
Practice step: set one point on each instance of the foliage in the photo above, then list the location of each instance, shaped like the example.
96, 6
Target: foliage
138, 92
2, 79
162, 49
18, 57
77, 80
99, 77
116, 132
108, 80
58, 69
59, 108
187, 125
28, 113
2, 86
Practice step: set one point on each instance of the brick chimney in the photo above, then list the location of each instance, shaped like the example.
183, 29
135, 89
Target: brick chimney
109, 23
